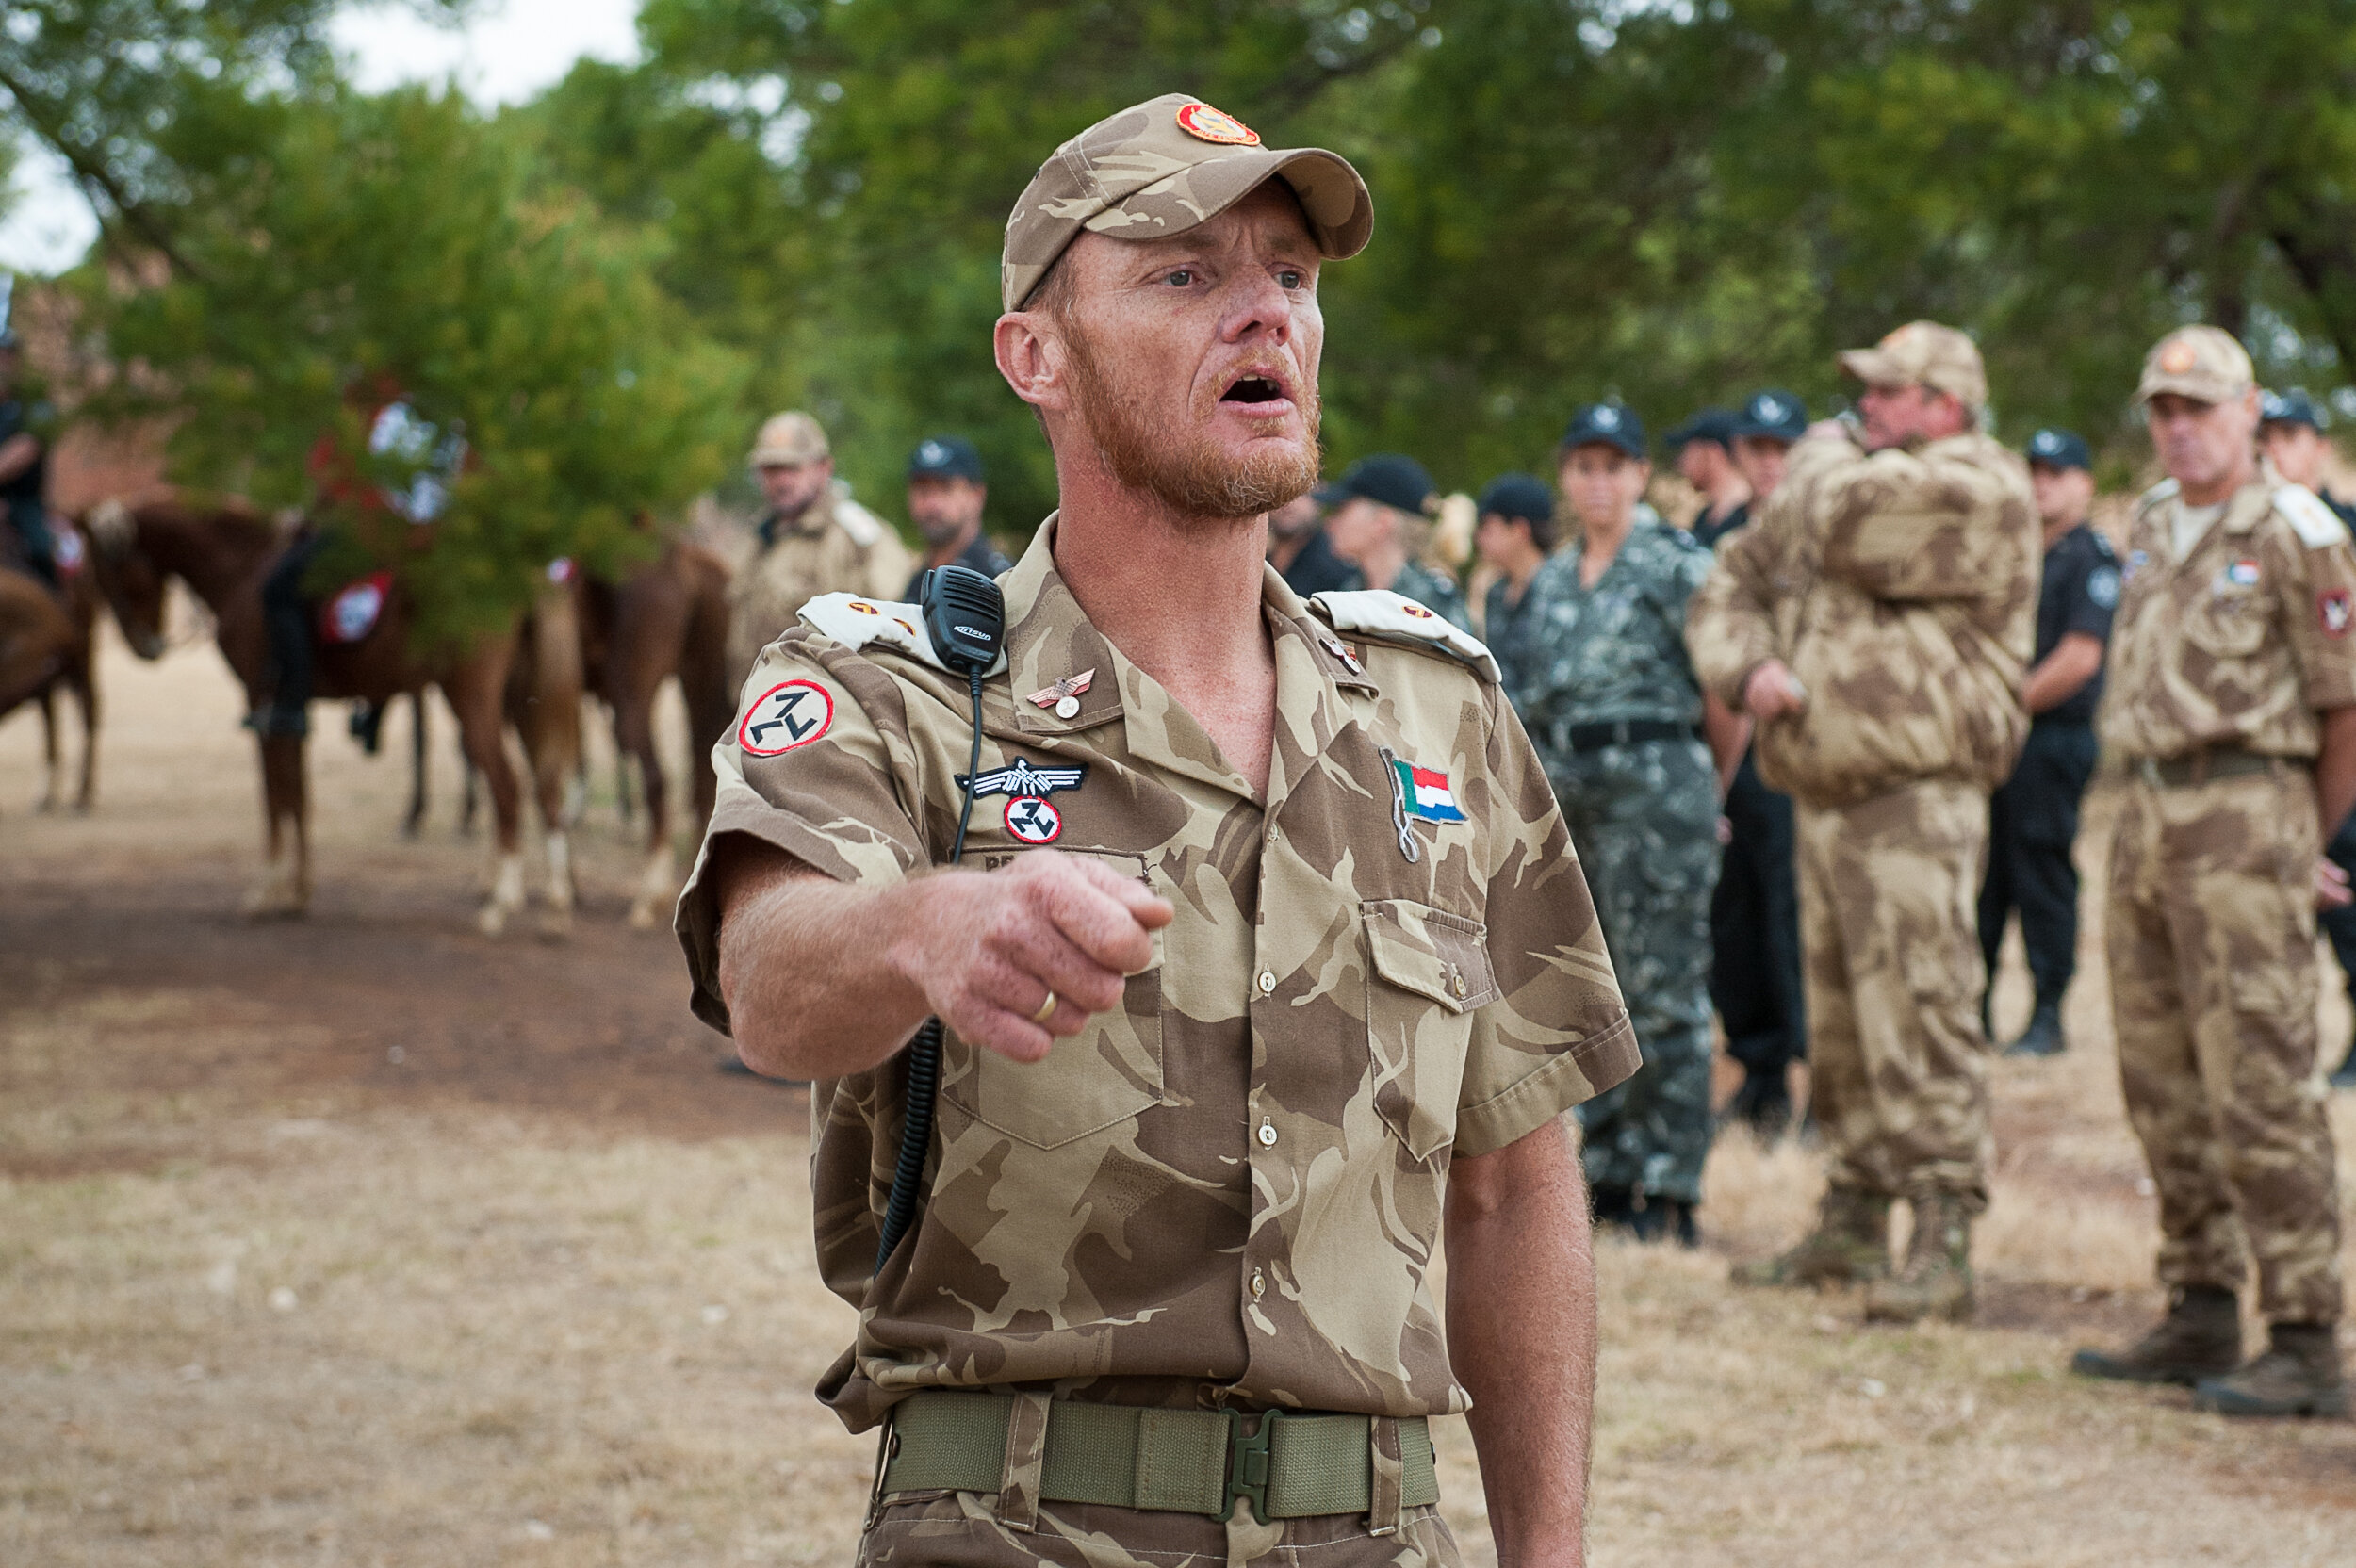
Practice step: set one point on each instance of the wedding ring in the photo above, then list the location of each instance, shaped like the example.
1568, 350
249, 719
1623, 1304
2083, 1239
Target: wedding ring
1044, 1008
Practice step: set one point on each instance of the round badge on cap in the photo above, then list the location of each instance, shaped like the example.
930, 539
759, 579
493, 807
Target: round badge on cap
1606, 418
932, 452
1205, 124
2178, 359
1770, 411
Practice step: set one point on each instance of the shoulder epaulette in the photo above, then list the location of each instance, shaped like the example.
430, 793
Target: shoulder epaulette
2316, 523
863, 526
2163, 491
859, 624
1386, 617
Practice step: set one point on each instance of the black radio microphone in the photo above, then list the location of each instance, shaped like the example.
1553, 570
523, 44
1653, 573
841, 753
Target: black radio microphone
965, 616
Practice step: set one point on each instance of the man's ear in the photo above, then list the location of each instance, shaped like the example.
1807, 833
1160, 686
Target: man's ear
1030, 354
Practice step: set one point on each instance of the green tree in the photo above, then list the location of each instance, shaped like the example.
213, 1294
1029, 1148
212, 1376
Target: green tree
339, 245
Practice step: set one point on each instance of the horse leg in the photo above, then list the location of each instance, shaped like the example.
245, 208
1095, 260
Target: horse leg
52, 795
633, 731
413, 820
86, 694
475, 689
284, 891
470, 802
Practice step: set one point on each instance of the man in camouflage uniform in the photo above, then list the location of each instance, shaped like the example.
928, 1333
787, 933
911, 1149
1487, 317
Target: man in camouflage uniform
2232, 703
1612, 704
1380, 522
1269, 957
813, 540
1877, 623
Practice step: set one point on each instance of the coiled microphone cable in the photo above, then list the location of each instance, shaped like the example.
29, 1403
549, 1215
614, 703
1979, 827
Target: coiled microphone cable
965, 616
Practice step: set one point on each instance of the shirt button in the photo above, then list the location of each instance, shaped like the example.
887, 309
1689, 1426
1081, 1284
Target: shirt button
1268, 982
1259, 1285
1267, 1134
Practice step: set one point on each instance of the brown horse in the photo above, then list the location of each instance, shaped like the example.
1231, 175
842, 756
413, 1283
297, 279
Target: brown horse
668, 617
47, 645
224, 553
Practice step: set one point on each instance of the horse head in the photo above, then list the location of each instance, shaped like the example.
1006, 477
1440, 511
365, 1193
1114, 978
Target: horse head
127, 576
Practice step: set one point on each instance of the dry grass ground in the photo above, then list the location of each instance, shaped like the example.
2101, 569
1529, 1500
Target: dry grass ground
368, 1242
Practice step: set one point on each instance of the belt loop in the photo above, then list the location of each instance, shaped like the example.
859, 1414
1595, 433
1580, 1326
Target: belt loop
1026, 1457
1389, 1476
887, 1446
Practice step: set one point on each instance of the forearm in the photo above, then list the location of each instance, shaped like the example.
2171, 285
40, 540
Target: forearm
2335, 770
1521, 1332
811, 970
2063, 673
1728, 734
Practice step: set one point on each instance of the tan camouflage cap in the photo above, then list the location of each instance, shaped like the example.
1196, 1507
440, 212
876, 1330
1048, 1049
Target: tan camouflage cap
787, 440
1923, 354
2204, 363
1160, 167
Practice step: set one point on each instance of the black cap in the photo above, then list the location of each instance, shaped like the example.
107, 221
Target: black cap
2059, 449
1520, 496
945, 457
1773, 415
1605, 424
1713, 425
1389, 478
2293, 407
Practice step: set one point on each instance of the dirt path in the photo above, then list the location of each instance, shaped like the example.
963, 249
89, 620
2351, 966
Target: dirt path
366, 1240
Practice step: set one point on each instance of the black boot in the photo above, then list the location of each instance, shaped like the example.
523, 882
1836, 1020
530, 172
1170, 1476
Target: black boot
1763, 1104
2201, 1337
1665, 1218
2043, 1037
1614, 1204
366, 726
2298, 1373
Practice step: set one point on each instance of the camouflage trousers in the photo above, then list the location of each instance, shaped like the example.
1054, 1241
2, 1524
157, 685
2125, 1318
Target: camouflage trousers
1889, 927
961, 1529
1644, 821
2211, 943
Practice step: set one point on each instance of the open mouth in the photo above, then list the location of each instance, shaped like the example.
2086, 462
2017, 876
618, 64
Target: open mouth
1254, 389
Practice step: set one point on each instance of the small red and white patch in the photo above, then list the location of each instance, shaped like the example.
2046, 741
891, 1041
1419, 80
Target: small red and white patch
864, 608
1417, 610
355, 608
561, 571
786, 716
66, 548
1205, 124
1033, 819
2335, 608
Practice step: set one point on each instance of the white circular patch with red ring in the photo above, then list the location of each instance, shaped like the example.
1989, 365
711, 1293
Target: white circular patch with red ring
1033, 819
1207, 123
789, 714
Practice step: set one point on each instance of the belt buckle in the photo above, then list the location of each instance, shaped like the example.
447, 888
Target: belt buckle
1248, 1465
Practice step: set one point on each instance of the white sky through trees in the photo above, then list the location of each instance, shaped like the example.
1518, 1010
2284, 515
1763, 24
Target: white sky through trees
507, 51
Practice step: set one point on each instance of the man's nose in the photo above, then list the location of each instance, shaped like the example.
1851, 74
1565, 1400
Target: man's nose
1257, 305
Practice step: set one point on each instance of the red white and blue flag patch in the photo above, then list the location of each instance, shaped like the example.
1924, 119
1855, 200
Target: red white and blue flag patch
1425, 794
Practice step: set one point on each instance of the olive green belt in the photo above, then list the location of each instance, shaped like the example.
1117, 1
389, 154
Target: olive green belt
1291, 1466
2199, 767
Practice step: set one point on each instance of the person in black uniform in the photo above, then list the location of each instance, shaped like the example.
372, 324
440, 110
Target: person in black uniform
1755, 911
1515, 536
2033, 817
947, 494
1704, 449
1303, 555
2290, 432
25, 467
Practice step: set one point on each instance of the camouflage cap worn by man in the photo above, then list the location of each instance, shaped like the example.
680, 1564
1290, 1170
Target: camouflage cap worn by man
1167, 1298
2232, 650
1878, 620
1923, 354
1160, 169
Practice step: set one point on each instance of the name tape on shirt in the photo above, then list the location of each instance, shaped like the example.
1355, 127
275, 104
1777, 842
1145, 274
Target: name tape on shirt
1425, 794
786, 716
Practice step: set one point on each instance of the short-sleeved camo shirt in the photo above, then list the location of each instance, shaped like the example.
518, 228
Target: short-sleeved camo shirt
1615, 650
2241, 642
1229, 1192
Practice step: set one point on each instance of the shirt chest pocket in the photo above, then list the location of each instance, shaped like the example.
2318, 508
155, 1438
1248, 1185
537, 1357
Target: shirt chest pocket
1426, 972
1098, 1078
2229, 623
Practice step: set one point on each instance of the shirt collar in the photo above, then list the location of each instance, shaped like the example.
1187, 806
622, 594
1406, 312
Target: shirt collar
1050, 639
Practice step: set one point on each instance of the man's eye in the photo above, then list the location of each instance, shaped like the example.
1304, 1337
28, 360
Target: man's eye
1181, 278
1291, 279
